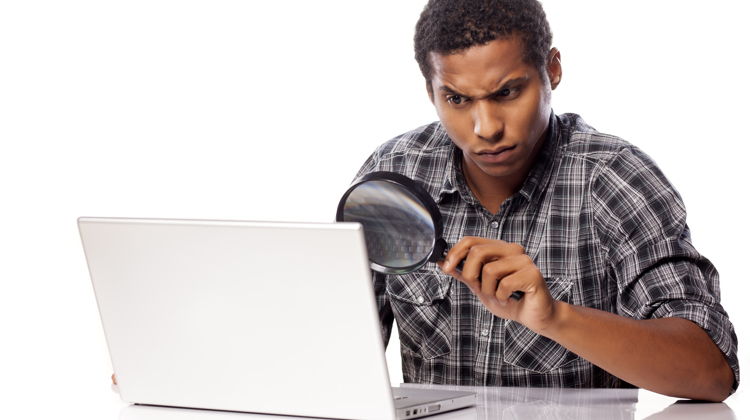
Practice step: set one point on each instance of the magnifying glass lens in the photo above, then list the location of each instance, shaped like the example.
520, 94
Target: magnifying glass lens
403, 226
399, 230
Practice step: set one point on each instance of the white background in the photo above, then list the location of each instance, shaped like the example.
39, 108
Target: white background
265, 110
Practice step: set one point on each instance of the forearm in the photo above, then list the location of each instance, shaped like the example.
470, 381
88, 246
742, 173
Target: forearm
671, 356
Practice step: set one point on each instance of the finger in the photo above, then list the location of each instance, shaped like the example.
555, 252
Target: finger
495, 250
501, 268
443, 264
458, 252
114, 381
482, 254
525, 280
488, 287
454, 256
494, 272
458, 275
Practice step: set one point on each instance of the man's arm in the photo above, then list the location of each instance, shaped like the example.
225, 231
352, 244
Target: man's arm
671, 356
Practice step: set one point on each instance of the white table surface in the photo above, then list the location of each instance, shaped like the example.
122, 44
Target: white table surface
492, 403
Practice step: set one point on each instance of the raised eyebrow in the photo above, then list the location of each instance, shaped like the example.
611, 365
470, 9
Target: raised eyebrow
450, 91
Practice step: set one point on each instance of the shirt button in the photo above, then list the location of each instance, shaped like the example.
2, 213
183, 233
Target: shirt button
485, 332
494, 225
420, 299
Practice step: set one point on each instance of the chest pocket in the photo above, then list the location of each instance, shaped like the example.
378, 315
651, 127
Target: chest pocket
531, 351
421, 304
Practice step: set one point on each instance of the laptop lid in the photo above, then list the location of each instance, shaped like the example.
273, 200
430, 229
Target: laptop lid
241, 316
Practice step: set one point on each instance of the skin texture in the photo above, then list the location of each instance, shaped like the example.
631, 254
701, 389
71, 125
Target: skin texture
495, 107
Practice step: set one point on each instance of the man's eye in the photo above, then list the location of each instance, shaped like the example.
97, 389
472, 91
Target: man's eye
508, 92
455, 99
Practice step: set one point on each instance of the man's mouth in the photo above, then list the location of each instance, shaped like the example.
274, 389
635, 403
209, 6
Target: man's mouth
497, 155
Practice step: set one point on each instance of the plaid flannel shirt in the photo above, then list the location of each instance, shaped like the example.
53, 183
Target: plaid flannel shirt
601, 222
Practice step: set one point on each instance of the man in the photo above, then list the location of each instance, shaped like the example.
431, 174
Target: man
583, 223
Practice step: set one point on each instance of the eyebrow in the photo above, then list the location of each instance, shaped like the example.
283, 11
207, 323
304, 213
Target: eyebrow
508, 83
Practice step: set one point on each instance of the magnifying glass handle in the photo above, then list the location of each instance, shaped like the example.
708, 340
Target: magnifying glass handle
515, 295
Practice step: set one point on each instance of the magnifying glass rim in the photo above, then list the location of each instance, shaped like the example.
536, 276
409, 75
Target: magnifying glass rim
419, 192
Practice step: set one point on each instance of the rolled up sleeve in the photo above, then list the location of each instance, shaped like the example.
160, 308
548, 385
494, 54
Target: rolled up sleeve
641, 222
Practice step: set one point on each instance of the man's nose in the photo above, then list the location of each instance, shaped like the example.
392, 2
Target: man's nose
488, 123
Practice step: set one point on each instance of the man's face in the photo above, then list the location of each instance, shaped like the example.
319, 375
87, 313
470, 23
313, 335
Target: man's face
495, 107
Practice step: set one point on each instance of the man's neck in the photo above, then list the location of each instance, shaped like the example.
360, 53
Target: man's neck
491, 191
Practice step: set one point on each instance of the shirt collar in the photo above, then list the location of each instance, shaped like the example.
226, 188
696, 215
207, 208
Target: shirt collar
453, 175
538, 178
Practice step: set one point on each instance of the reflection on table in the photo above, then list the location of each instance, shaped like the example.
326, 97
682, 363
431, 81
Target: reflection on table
509, 403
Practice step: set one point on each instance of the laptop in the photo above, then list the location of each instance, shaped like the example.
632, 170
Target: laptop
261, 317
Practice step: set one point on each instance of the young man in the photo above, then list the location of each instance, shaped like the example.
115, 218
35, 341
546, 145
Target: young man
582, 222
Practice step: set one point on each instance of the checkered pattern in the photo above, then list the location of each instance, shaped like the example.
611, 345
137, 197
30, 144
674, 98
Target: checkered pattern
602, 223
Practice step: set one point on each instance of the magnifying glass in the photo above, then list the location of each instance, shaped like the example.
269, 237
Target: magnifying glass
403, 226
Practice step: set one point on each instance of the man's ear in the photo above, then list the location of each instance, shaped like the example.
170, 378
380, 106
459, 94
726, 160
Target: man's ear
554, 67
428, 85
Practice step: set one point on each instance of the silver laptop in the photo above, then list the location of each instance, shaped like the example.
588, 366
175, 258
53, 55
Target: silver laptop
255, 317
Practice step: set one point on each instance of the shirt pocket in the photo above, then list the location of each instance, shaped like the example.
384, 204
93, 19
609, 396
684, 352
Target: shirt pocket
422, 307
531, 351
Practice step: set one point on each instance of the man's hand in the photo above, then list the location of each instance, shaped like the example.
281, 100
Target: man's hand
114, 381
504, 268
672, 356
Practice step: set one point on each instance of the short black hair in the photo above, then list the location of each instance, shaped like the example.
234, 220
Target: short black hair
453, 26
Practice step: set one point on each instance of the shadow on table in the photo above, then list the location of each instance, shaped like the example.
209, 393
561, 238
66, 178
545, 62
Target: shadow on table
689, 410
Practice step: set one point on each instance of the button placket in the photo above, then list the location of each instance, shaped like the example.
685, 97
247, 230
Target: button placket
484, 333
